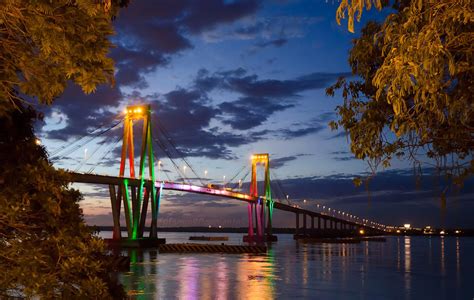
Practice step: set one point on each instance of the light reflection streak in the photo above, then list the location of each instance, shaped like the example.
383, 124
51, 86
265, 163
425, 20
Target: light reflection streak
205, 285
222, 280
458, 260
189, 276
305, 265
407, 263
398, 254
443, 266
255, 277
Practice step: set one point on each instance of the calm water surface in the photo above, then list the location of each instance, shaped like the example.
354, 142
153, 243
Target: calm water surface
400, 268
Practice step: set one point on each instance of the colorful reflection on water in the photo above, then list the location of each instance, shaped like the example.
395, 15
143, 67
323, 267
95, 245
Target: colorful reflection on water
401, 268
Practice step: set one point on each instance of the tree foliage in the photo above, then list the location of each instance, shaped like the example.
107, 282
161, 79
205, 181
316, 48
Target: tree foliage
46, 249
413, 91
44, 44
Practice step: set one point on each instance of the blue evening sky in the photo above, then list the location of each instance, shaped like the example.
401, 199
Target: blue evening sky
232, 78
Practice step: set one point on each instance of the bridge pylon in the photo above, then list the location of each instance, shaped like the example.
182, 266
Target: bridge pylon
262, 210
135, 198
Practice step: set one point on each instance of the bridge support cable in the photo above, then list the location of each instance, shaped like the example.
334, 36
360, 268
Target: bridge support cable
159, 167
277, 192
241, 180
280, 185
161, 128
93, 132
106, 153
230, 182
87, 141
102, 144
162, 146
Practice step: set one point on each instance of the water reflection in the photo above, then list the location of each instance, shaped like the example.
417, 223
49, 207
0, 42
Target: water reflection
407, 263
189, 273
222, 279
443, 266
458, 260
318, 271
137, 282
254, 274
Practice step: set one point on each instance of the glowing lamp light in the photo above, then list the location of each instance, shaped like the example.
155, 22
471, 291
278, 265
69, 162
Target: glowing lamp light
38, 142
407, 226
361, 231
457, 231
398, 230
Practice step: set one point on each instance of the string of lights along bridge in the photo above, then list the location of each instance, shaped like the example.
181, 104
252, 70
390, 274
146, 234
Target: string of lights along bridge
135, 191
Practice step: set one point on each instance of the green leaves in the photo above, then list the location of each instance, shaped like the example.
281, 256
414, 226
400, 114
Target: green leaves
45, 246
354, 10
414, 95
45, 43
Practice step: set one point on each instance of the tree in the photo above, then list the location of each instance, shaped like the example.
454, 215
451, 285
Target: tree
46, 249
44, 44
412, 94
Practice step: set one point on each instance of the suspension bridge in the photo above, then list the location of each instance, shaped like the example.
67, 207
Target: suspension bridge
132, 194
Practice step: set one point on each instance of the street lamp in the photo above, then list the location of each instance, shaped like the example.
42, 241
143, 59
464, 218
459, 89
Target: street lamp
223, 180
205, 174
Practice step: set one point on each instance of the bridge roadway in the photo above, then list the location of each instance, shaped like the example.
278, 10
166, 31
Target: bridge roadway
183, 187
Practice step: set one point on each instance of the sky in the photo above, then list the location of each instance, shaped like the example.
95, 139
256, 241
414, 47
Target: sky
225, 80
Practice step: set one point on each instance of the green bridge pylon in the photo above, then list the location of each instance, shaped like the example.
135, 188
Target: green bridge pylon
136, 197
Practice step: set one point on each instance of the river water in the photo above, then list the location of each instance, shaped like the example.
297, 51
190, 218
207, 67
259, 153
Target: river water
400, 268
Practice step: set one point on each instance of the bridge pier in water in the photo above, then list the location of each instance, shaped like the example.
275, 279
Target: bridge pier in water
327, 226
262, 209
136, 193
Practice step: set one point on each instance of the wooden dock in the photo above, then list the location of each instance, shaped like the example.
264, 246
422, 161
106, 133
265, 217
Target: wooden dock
208, 238
209, 248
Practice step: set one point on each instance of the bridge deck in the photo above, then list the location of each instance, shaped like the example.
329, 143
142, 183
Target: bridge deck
104, 179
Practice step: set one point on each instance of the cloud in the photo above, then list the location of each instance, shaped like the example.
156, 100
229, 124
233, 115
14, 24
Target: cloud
282, 161
187, 113
84, 113
250, 112
344, 158
150, 33
260, 98
263, 29
295, 133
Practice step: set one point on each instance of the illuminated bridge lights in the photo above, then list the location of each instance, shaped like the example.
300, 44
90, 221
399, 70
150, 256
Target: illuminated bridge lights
136, 111
260, 157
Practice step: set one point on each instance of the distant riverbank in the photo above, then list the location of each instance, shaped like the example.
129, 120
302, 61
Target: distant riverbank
200, 229
413, 232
